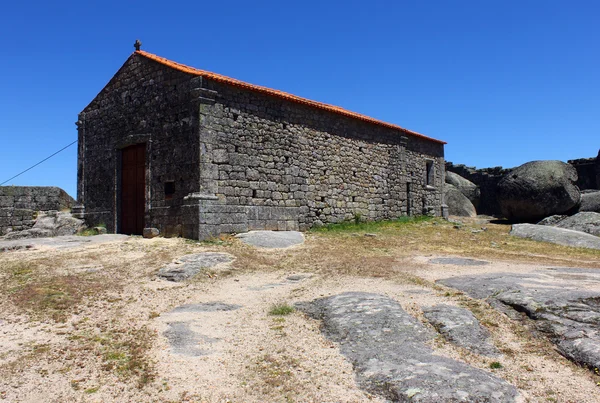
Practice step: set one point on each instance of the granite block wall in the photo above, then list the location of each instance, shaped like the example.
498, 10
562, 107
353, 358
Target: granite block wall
20, 205
259, 151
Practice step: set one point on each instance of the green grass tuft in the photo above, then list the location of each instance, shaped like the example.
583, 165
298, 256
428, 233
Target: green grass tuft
358, 225
281, 309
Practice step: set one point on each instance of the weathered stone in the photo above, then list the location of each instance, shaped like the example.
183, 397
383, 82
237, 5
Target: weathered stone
50, 224
553, 299
59, 242
460, 327
585, 222
188, 266
465, 186
387, 349
556, 235
100, 230
538, 189
458, 203
184, 340
150, 232
590, 201
552, 220
30, 233
24, 202
272, 239
207, 307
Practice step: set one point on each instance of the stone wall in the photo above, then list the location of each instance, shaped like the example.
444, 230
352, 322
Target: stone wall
241, 160
270, 155
487, 179
20, 205
588, 172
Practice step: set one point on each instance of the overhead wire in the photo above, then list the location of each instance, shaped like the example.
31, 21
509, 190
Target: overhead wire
33, 166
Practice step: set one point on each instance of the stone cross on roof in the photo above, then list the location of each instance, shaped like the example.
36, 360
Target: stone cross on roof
137, 45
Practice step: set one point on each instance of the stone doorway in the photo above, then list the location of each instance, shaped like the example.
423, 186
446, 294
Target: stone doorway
133, 189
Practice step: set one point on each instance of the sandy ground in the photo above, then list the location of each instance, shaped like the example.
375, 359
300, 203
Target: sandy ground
242, 355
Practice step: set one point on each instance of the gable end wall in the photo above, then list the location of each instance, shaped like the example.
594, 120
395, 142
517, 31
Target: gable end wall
149, 103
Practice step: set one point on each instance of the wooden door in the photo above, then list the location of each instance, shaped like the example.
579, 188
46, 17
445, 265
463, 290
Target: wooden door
133, 189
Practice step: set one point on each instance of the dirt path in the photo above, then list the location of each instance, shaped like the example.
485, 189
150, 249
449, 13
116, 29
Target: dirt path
120, 336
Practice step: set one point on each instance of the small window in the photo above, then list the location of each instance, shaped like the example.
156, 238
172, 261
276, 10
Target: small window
429, 173
169, 190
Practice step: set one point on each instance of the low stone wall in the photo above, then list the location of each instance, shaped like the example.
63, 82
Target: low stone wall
20, 205
487, 179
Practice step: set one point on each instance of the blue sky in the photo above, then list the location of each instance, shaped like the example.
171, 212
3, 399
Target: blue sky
503, 82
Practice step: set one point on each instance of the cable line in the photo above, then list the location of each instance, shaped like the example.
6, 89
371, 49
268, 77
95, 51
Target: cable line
33, 166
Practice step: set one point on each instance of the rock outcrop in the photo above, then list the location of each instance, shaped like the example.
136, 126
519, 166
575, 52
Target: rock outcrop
560, 236
466, 187
460, 327
50, 224
590, 201
538, 189
553, 299
388, 350
585, 222
458, 203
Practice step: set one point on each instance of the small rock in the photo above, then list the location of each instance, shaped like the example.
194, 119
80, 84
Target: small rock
100, 230
370, 235
150, 232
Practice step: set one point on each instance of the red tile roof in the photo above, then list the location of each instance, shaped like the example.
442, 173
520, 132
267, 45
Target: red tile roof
277, 93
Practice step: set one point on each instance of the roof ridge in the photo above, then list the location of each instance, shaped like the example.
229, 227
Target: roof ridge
277, 93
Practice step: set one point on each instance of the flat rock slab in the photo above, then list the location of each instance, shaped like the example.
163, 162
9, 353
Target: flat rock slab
460, 327
563, 303
387, 348
185, 341
560, 236
272, 239
59, 242
207, 307
188, 266
458, 261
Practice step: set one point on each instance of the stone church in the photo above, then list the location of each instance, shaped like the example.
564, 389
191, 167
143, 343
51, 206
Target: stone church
196, 154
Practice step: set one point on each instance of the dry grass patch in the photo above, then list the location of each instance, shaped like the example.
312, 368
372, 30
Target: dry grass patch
35, 288
422, 236
123, 351
56, 298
